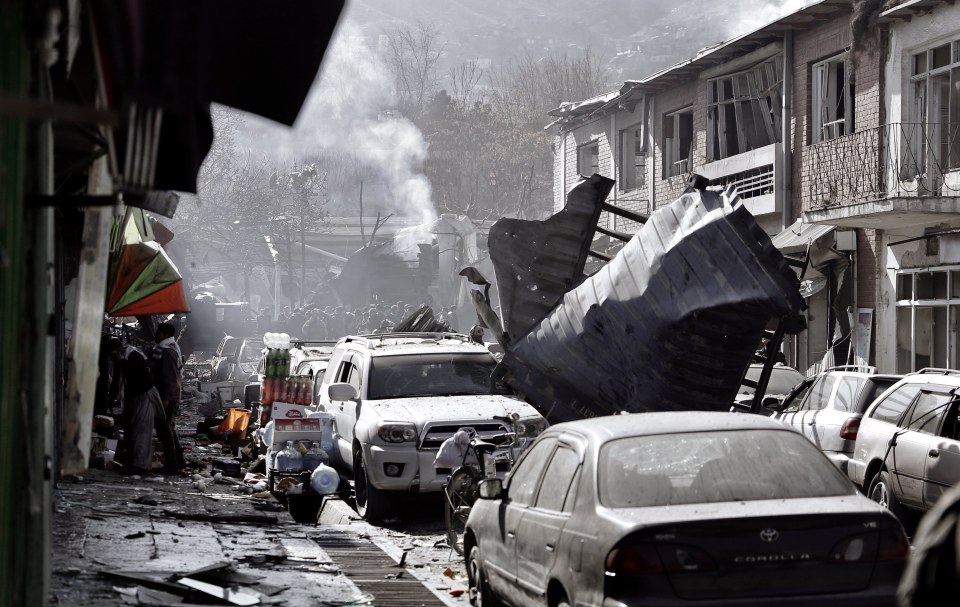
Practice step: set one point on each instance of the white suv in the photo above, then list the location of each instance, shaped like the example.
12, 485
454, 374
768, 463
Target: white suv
908, 445
396, 397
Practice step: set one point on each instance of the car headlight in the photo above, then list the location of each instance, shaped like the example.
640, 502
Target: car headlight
531, 426
397, 432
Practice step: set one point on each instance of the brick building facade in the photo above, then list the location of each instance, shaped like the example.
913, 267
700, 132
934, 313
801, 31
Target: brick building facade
844, 142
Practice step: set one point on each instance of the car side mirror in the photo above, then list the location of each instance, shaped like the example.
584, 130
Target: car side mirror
490, 489
771, 403
342, 391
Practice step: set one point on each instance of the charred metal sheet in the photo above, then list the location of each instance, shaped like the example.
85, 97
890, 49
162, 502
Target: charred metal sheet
536, 262
670, 323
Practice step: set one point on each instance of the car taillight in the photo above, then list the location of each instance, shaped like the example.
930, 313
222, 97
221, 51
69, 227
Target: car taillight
849, 429
894, 545
649, 559
885, 545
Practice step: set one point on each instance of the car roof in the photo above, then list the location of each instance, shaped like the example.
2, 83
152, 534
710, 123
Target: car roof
665, 422
949, 377
390, 344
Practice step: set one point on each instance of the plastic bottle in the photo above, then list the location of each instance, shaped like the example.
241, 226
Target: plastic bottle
324, 480
290, 459
315, 456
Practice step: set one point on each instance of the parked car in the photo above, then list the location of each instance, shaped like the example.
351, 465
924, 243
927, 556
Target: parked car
827, 408
679, 508
236, 358
907, 451
396, 397
783, 380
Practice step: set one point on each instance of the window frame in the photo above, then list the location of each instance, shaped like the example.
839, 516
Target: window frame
543, 477
909, 303
593, 147
817, 98
525, 462
673, 153
924, 103
754, 111
633, 165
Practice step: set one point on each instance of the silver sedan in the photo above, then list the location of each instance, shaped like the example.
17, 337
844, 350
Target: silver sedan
674, 508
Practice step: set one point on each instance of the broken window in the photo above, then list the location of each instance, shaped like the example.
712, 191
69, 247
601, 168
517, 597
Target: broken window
677, 143
743, 109
933, 145
632, 158
832, 99
588, 159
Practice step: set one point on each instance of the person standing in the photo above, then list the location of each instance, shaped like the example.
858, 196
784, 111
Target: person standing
167, 365
142, 407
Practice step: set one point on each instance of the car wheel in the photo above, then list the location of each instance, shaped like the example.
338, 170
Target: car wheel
479, 592
563, 601
371, 502
881, 491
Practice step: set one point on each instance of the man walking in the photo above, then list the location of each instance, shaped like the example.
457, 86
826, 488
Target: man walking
168, 377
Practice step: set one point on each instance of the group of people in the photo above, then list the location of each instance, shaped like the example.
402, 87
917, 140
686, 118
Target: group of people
149, 385
333, 322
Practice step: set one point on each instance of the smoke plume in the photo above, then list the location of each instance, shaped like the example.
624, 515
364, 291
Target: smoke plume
348, 111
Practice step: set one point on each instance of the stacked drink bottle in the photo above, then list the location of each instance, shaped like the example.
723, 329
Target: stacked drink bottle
278, 385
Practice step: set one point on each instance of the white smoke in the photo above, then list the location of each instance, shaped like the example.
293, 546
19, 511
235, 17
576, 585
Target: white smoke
344, 112
753, 15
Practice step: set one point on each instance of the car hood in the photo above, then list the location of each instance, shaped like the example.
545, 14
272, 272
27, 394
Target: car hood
423, 409
667, 515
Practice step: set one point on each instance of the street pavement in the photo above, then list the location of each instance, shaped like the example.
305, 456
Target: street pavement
156, 527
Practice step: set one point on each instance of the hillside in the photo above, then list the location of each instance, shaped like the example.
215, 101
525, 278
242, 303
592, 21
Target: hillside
634, 37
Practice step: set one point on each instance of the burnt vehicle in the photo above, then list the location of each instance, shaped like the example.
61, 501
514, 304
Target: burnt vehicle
671, 322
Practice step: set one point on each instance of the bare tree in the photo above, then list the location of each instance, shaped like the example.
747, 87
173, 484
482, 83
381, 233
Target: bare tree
413, 54
464, 84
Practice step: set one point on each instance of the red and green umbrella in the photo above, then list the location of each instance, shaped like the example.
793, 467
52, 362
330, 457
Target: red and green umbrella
145, 280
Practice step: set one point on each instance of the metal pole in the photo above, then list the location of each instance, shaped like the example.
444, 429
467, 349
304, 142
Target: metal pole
786, 126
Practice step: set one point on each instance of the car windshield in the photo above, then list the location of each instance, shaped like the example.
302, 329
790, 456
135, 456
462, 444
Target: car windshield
782, 380
252, 351
432, 375
707, 467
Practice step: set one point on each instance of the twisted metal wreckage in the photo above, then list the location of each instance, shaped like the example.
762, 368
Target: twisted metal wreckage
671, 322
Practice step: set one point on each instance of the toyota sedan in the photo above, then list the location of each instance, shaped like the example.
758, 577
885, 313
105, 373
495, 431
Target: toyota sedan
675, 509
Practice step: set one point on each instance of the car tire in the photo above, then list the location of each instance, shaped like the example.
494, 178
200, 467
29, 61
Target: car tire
479, 591
881, 491
372, 503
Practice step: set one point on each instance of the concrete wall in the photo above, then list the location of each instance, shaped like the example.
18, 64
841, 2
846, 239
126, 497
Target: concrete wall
940, 25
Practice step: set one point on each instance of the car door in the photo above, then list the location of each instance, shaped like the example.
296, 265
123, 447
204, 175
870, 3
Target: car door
498, 549
915, 443
943, 459
816, 401
541, 525
792, 405
345, 412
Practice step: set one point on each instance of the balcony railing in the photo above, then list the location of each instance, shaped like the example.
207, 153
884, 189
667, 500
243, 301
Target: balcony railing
891, 161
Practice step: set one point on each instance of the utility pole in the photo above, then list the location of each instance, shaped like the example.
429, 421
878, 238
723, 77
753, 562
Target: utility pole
303, 253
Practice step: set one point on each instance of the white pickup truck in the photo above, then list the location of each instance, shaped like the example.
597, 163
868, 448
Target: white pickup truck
396, 397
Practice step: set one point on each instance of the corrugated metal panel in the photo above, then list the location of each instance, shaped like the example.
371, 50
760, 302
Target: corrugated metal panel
536, 262
798, 235
669, 324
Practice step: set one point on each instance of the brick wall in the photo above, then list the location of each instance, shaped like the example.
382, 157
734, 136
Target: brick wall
846, 169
